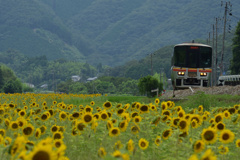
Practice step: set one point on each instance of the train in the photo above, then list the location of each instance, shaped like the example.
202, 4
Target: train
191, 65
231, 80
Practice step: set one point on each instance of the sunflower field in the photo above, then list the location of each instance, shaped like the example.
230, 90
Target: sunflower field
78, 127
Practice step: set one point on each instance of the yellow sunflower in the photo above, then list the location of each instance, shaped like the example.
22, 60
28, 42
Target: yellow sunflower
101, 152
114, 131
130, 145
166, 134
28, 130
226, 136
223, 150
158, 141
238, 143
209, 135
209, 155
157, 101
107, 105
143, 144
41, 152
199, 146
87, 117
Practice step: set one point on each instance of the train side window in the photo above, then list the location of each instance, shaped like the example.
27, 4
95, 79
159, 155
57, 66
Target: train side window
205, 57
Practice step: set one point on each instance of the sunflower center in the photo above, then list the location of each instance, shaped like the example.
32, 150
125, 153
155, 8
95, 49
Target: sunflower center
104, 116
144, 108
27, 130
209, 135
87, 118
14, 125
114, 131
143, 144
182, 124
198, 145
40, 155
166, 133
107, 105
44, 117
218, 119
57, 136
220, 126
225, 136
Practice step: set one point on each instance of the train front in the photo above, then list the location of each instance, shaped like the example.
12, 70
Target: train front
191, 65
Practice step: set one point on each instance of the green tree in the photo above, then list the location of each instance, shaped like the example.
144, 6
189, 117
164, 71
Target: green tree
235, 63
13, 86
148, 83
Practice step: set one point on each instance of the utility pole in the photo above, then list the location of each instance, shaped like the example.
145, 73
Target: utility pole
225, 21
151, 66
215, 74
213, 59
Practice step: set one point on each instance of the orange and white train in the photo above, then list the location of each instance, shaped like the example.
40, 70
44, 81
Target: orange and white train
191, 65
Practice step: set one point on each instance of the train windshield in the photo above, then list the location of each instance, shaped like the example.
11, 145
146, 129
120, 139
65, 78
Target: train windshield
192, 56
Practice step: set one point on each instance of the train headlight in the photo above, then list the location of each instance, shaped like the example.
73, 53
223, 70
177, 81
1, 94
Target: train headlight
181, 73
203, 74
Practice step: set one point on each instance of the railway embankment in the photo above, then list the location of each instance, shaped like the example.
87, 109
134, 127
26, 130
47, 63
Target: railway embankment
216, 90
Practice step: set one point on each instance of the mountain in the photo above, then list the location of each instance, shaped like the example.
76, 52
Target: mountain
111, 32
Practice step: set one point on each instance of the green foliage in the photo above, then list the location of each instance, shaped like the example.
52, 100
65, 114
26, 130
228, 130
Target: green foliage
235, 63
12, 86
148, 83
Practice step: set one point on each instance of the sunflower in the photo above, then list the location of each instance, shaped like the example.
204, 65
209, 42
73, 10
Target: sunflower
28, 130
166, 112
88, 108
41, 152
226, 136
198, 118
107, 105
218, 117
123, 125
157, 101
208, 155
194, 123
74, 131
135, 129
58, 143
87, 117
109, 124
158, 141
3, 132
101, 152
200, 109
14, 125
38, 133
7, 141
144, 109
18, 145
63, 116
114, 131
43, 129
22, 113
76, 115
54, 128
45, 116
130, 145
220, 126
183, 125
209, 135
92, 103
227, 114
134, 114
167, 133
181, 113
238, 143
143, 144
175, 121
57, 135
80, 125
223, 150
193, 157
198, 146
104, 116
137, 119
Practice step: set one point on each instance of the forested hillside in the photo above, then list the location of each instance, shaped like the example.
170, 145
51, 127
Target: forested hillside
110, 32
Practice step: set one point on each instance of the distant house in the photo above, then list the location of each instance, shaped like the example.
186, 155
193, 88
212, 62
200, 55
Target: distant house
75, 78
44, 86
29, 85
92, 79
